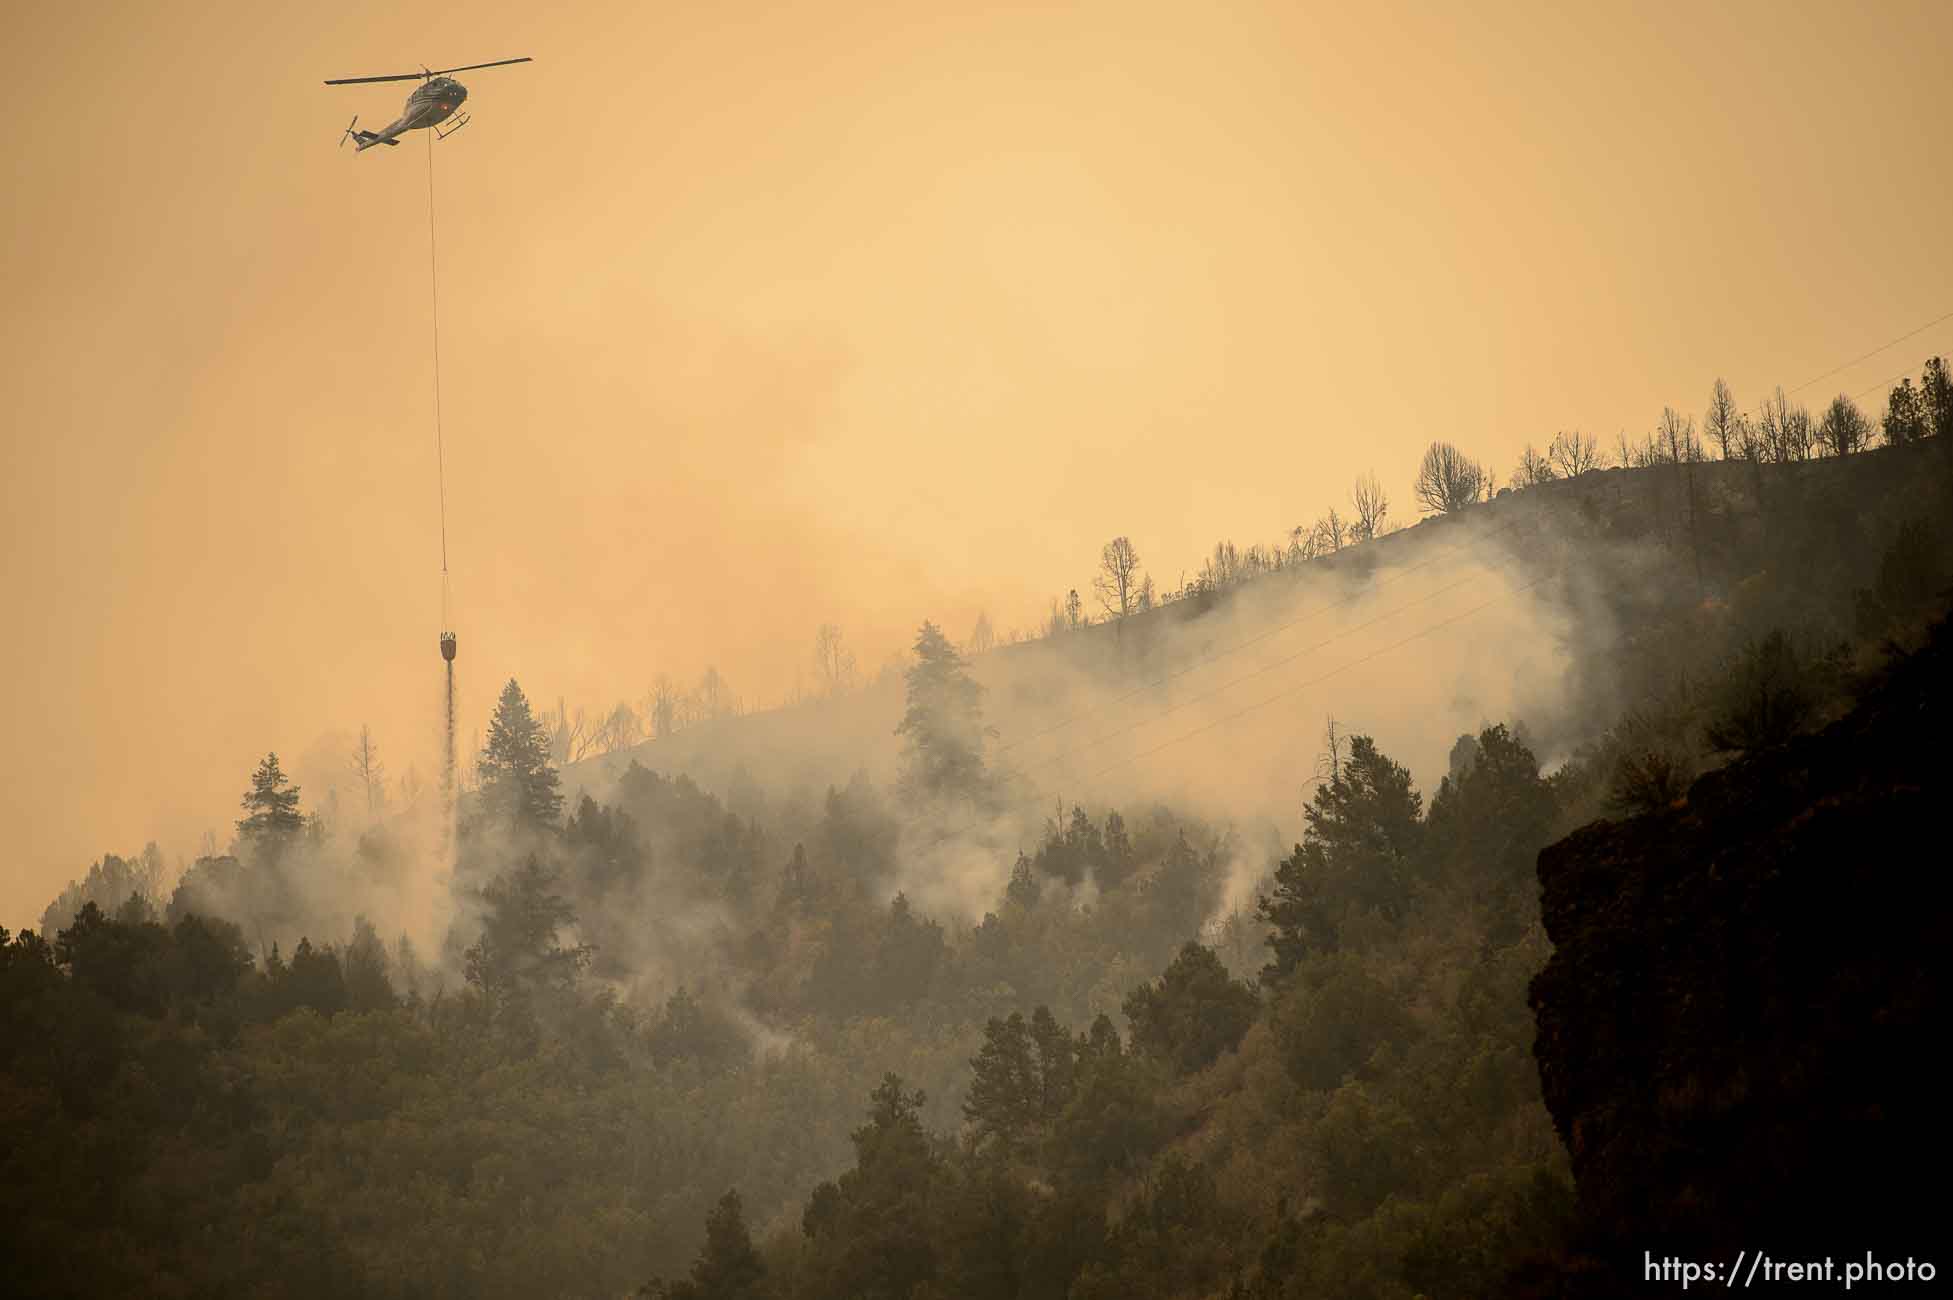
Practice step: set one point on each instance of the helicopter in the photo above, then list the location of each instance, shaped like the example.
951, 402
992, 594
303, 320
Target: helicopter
432, 103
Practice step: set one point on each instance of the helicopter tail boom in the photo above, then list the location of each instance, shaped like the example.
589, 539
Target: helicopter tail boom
364, 139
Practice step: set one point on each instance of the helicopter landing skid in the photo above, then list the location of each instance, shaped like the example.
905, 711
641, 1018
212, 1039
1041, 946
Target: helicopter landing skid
453, 126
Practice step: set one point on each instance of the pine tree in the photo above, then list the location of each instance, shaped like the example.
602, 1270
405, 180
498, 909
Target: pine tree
1192, 1013
870, 1232
1006, 1094
1906, 417
517, 781
271, 803
1057, 1065
316, 980
364, 968
518, 948
1936, 399
1362, 826
1023, 887
943, 724
728, 1267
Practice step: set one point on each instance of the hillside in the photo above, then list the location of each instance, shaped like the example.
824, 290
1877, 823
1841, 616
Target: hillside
1053, 994
1604, 590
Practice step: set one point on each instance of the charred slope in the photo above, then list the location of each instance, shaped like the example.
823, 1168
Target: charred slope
1736, 1031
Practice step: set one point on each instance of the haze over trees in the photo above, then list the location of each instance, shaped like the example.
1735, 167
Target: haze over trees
942, 726
702, 1042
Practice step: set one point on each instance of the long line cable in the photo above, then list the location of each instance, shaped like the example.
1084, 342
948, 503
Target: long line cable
448, 767
434, 295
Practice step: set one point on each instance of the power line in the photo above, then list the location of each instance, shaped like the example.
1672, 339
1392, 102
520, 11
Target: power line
1288, 691
1297, 621
1883, 383
1869, 355
1370, 590
1321, 677
1256, 672
1282, 694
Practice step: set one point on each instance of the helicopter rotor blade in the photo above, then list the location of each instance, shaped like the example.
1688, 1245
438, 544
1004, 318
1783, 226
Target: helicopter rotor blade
442, 72
426, 73
353, 81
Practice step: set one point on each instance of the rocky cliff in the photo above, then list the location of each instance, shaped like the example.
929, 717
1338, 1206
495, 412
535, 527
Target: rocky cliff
1738, 1031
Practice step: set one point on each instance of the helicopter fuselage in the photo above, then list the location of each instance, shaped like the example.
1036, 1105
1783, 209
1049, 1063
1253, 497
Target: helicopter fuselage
433, 102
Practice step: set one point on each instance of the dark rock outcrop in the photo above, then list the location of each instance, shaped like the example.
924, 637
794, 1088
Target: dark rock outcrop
1739, 1029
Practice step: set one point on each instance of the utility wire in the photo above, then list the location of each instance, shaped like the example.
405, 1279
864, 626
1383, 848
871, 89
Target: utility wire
1279, 695
1284, 693
1869, 355
1258, 671
1883, 383
1360, 593
1288, 691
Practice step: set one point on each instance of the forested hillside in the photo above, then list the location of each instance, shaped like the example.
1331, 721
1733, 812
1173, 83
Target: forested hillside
761, 1008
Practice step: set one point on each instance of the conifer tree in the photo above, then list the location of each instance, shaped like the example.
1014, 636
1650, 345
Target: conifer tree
517, 781
1192, 1013
728, 1267
1363, 824
271, 804
1936, 399
1006, 1095
943, 724
519, 948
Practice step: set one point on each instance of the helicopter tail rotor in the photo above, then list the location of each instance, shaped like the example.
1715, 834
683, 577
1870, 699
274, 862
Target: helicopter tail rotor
349, 131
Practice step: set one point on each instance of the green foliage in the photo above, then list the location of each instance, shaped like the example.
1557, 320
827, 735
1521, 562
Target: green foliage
1115, 1120
1192, 1013
109, 884
870, 1230
520, 950
1487, 823
1906, 418
1082, 849
1936, 398
1912, 572
1334, 1024
687, 1030
727, 1268
315, 980
1173, 1240
942, 724
1006, 1101
517, 782
1363, 825
1769, 695
272, 820
364, 967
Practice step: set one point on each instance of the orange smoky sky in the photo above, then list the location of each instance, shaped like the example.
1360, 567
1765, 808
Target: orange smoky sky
754, 317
